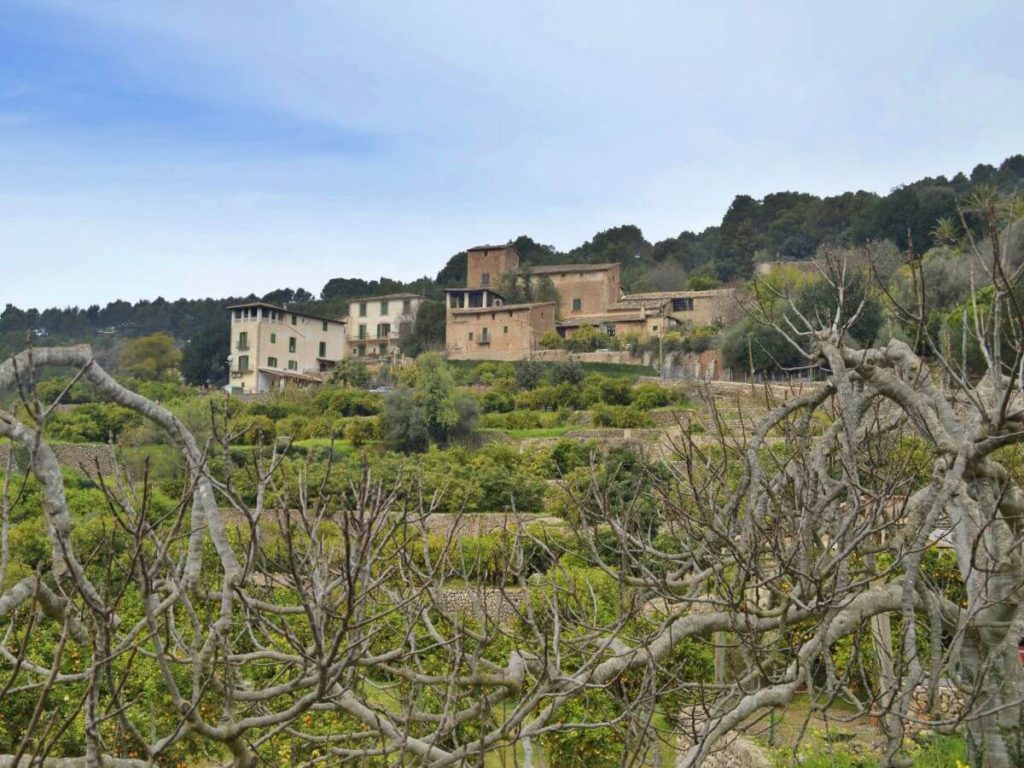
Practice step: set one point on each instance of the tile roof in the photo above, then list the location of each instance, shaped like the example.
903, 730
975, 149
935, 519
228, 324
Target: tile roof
388, 296
619, 317
282, 308
501, 308
549, 269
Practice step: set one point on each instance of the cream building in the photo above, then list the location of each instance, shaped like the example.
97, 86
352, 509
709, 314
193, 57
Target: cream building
377, 324
272, 346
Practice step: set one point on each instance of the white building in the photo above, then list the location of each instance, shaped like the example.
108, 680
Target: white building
272, 346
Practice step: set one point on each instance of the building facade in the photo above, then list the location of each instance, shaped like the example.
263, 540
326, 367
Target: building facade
272, 346
498, 332
481, 324
485, 264
583, 289
377, 324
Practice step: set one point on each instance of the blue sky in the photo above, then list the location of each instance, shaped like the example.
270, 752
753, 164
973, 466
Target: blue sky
197, 148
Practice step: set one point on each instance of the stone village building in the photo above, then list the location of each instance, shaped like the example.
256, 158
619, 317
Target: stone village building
481, 325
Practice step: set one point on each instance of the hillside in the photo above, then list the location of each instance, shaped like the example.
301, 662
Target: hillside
782, 225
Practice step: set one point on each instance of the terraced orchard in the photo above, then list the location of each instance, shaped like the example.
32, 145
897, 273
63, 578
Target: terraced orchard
493, 566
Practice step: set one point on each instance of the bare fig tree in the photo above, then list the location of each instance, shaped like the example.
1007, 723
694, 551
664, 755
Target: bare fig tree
289, 616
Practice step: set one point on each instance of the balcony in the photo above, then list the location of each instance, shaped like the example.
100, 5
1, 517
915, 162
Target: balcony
243, 347
237, 373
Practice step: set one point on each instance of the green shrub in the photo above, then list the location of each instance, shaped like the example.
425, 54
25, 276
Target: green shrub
551, 340
586, 747
586, 338
363, 430
648, 396
621, 417
254, 430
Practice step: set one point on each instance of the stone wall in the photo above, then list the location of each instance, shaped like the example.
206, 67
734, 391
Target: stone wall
738, 752
460, 526
86, 458
490, 602
733, 751
81, 457
950, 705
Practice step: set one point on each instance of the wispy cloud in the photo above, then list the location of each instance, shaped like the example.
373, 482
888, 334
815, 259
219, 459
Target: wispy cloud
360, 137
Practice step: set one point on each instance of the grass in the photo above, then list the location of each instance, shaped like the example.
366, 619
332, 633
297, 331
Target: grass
341, 447
843, 739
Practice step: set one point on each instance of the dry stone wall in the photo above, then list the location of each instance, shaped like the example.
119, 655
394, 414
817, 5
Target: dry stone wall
458, 526
91, 459
495, 604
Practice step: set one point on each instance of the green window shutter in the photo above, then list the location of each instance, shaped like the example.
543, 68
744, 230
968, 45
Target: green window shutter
291, 344
273, 338
323, 349
383, 307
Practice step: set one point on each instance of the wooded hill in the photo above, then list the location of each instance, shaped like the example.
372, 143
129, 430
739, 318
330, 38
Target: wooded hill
782, 225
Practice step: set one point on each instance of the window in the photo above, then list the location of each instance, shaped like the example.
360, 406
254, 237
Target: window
292, 365
362, 331
577, 305
654, 328
484, 339
485, 279
682, 304
610, 330
470, 335
382, 349
383, 330
243, 340
291, 344
362, 309
273, 338
243, 363
383, 307
406, 307
505, 329
238, 314
362, 350
272, 362
323, 349
325, 326
295, 319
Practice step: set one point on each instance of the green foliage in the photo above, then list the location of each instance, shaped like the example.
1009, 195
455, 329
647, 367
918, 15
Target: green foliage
524, 419
586, 338
360, 431
427, 329
254, 429
204, 361
602, 389
90, 423
585, 747
648, 396
351, 373
755, 343
430, 410
620, 416
150, 357
551, 340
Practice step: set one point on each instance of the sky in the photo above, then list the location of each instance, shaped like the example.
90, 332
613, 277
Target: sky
195, 148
